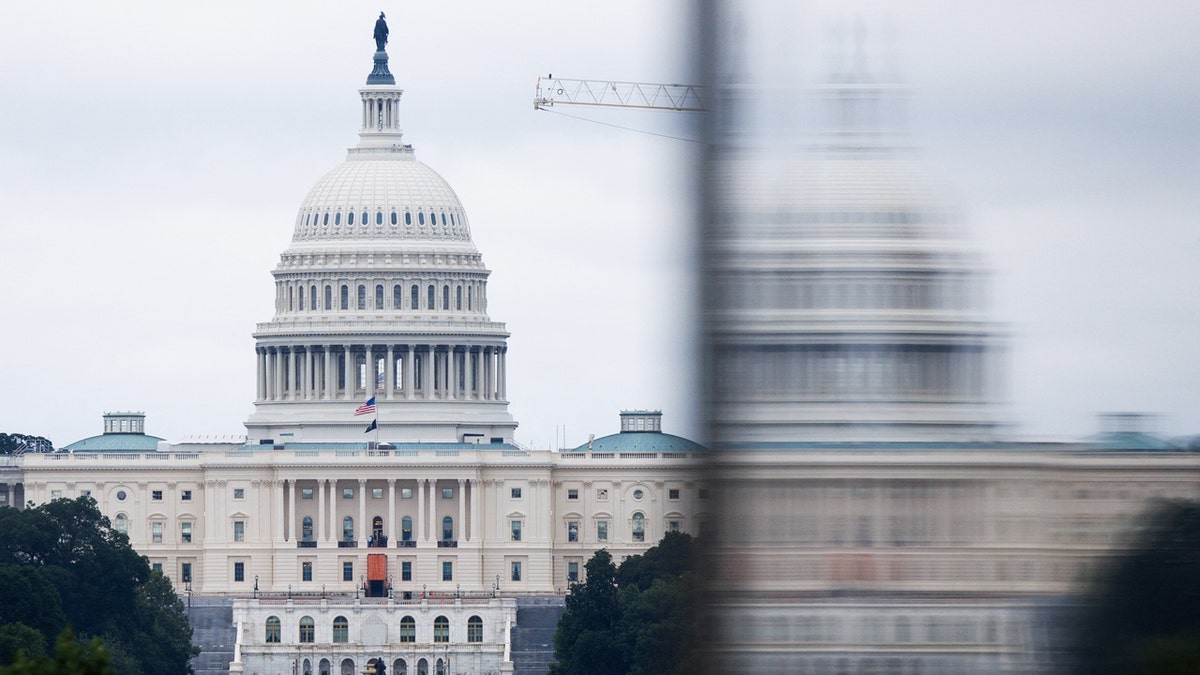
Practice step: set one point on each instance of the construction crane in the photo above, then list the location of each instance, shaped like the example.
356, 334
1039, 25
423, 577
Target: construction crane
556, 91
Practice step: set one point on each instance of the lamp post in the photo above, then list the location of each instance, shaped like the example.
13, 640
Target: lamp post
189, 592
255, 586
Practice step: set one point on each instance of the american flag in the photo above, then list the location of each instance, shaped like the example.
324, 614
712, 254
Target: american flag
366, 408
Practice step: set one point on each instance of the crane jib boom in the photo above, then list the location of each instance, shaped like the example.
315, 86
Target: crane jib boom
552, 91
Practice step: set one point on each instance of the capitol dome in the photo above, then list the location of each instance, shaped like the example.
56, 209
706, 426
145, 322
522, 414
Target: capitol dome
386, 194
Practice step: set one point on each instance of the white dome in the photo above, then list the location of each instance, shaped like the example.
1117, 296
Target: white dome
399, 197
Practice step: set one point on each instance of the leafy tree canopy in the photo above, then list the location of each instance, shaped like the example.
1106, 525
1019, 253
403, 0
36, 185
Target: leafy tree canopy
13, 443
70, 658
640, 618
1143, 614
62, 564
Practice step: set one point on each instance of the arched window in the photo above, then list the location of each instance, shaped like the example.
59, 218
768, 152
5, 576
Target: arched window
326, 220
347, 666
432, 218
328, 297
452, 220
348, 529
274, 631
121, 523
306, 529
443, 219
377, 528
312, 296
323, 668
399, 666
362, 296
378, 296
291, 306
447, 528
639, 527
441, 629
422, 667
345, 296
350, 218
301, 298
364, 220
432, 302
407, 218
458, 298
308, 630
307, 217
379, 217
337, 219
469, 294
396, 297
393, 217
420, 217
416, 297
408, 629
406, 528
341, 629
307, 667
445, 297
440, 668
475, 629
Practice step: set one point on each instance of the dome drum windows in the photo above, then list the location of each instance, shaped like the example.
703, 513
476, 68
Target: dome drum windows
345, 297
362, 297
378, 296
350, 218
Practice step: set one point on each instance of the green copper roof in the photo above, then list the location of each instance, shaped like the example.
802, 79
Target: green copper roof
641, 441
115, 443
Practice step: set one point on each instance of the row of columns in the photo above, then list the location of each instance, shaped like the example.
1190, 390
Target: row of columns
331, 372
426, 527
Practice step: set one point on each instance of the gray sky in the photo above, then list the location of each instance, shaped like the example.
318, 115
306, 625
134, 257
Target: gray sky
152, 159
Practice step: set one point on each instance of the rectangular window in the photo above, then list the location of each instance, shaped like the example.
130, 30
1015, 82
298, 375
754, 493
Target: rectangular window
185, 572
406, 571
156, 532
447, 571
347, 571
601, 530
239, 571
239, 493
56, 494
85, 493
516, 571
572, 571
573, 531
156, 495
376, 493
405, 493
673, 493
157, 567
516, 493
239, 530
306, 493
185, 533
602, 494
186, 496
516, 530
347, 493
572, 495
672, 526
306, 571
447, 493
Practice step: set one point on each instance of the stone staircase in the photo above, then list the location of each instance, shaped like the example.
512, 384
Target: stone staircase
533, 635
213, 631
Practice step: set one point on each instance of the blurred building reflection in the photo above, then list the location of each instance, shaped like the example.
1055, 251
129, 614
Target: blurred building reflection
874, 515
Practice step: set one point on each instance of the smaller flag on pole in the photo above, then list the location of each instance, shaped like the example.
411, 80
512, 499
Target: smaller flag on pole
366, 408
371, 427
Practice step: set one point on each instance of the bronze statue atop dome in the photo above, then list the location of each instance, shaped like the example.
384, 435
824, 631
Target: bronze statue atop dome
381, 33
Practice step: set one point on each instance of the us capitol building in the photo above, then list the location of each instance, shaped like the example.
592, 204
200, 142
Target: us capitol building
408, 543
870, 513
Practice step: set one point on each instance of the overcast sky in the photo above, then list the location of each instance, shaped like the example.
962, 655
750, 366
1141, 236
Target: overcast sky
153, 157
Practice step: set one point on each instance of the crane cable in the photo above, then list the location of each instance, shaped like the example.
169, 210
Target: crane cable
617, 126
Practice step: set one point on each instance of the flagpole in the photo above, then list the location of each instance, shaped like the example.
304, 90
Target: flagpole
376, 426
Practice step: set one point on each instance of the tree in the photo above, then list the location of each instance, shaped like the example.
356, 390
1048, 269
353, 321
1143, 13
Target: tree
13, 443
70, 658
640, 618
63, 563
1143, 614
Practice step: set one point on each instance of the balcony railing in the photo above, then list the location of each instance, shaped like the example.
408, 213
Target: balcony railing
406, 543
447, 543
347, 544
306, 544
377, 542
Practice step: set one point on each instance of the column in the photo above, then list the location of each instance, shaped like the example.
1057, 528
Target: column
486, 385
290, 527
503, 373
363, 527
453, 389
427, 373
476, 525
348, 392
268, 374
389, 377
321, 522
279, 361
291, 373
433, 509
421, 509
469, 368
280, 487
333, 531
408, 371
308, 373
462, 509
330, 369
261, 379
390, 520
369, 363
